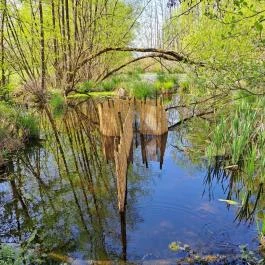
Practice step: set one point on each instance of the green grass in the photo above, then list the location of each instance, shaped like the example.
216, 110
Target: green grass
141, 89
19, 255
29, 124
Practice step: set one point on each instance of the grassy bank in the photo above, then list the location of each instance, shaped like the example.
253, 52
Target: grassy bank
133, 84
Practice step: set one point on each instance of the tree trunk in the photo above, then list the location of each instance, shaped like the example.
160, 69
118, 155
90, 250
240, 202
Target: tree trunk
42, 48
3, 76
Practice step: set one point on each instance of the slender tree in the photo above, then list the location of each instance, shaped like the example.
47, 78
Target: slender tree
2, 45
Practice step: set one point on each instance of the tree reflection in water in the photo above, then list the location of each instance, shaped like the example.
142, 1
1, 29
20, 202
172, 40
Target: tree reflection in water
66, 191
238, 187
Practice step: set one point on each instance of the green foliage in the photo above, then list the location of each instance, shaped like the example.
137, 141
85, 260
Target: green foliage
168, 85
134, 75
86, 86
25, 122
57, 103
114, 28
4, 93
29, 124
228, 39
163, 77
142, 89
166, 82
184, 86
109, 85
19, 255
9, 256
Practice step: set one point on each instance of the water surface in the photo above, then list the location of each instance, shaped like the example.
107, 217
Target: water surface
64, 190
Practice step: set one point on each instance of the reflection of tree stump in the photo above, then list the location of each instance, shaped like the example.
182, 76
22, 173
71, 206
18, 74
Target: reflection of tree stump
116, 120
108, 116
122, 154
153, 118
153, 148
108, 143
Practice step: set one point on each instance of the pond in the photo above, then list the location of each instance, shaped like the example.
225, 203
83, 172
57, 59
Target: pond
64, 191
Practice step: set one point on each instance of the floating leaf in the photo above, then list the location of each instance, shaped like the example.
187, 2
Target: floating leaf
174, 246
229, 202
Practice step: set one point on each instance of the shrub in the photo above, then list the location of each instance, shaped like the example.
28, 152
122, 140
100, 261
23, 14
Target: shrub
25, 122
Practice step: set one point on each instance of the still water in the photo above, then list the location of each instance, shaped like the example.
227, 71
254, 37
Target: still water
64, 190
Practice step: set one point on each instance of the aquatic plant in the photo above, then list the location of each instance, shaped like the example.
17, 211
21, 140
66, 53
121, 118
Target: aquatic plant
29, 124
166, 82
241, 137
250, 256
10, 255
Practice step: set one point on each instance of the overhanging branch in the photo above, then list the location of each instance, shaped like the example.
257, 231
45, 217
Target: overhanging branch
175, 56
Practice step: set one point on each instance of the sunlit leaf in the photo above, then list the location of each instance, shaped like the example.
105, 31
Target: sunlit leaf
229, 202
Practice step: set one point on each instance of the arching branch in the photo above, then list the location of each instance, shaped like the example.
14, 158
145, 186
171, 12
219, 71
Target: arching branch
177, 57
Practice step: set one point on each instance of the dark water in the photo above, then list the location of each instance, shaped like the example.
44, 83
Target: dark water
63, 190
